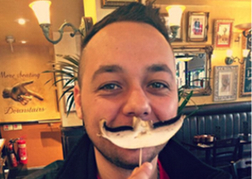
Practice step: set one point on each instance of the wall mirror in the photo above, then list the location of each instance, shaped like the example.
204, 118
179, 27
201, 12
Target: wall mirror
193, 68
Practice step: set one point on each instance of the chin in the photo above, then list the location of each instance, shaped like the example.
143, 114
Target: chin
127, 158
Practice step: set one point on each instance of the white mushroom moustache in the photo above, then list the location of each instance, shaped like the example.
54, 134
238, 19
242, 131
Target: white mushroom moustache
142, 133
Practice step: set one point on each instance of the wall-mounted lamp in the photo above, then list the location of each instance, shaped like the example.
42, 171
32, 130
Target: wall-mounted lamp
42, 12
230, 59
247, 32
184, 57
245, 53
175, 13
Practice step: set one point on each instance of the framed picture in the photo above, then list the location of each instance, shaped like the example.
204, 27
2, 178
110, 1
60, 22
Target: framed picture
178, 37
116, 3
67, 101
223, 33
246, 77
225, 83
197, 26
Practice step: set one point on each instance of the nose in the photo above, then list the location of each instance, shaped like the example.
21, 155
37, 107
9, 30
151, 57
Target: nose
137, 104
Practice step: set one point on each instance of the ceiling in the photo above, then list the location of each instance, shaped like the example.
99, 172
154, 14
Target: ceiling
69, 10
11, 10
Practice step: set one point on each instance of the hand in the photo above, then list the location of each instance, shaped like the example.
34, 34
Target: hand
142, 172
20, 93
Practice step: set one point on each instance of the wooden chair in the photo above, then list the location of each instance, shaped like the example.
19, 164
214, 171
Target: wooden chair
241, 169
225, 151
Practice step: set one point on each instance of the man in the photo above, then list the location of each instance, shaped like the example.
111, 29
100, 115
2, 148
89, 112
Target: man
127, 70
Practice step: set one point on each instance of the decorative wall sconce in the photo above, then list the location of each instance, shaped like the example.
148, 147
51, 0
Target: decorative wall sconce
246, 53
184, 57
42, 12
230, 59
175, 13
247, 32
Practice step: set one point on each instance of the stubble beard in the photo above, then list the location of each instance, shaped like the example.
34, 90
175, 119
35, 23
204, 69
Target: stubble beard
128, 159
116, 155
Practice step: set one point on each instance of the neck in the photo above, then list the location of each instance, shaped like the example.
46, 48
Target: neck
108, 170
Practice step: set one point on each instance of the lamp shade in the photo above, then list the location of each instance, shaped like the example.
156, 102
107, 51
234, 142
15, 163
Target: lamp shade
42, 11
244, 26
184, 57
175, 14
245, 52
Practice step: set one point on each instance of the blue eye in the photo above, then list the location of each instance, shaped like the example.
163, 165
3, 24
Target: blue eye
110, 86
158, 85
158, 88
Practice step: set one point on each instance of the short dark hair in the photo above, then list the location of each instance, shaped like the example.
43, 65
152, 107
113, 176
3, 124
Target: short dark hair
133, 12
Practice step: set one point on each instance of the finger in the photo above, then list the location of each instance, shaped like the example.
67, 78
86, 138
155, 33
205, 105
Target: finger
142, 172
135, 170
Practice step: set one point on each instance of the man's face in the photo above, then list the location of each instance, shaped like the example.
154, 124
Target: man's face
128, 70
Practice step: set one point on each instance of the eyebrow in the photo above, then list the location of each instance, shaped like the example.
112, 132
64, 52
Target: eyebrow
116, 69
107, 69
160, 68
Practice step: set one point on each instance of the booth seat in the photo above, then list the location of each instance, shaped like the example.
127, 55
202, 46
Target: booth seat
228, 116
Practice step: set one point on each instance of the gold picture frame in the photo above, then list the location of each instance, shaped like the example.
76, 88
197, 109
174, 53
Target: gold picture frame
197, 26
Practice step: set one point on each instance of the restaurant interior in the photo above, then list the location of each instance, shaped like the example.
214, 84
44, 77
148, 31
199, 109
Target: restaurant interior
212, 46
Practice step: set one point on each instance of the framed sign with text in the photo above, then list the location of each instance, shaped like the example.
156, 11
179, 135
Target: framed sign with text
26, 97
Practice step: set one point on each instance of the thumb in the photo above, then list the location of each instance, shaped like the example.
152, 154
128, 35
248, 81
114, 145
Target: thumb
142, 172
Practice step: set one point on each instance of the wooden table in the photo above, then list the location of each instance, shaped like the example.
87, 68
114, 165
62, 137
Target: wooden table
205, 147
208, 147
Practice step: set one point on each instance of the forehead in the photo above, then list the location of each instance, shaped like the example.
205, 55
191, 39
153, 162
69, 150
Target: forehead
119, 33
127, 42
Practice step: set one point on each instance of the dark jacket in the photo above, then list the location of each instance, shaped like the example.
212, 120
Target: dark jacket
175, 159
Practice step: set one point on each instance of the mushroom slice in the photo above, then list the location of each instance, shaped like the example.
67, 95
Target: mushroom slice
142, 134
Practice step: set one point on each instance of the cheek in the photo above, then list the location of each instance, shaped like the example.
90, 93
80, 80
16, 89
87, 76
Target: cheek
165, 108
96, 108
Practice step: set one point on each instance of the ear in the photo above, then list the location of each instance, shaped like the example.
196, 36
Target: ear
77, 100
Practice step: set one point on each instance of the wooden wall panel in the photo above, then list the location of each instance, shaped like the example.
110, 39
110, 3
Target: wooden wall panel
43, 142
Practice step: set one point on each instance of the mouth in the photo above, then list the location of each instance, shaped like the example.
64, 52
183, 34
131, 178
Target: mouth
131, 128
142, 133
